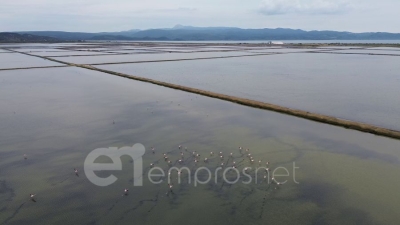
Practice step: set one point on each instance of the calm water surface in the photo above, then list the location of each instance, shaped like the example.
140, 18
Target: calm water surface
147, 57
372, 51
68, 53
17, 60
57, 116
362, 88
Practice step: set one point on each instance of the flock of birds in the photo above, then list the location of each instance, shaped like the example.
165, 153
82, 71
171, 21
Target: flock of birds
196, 159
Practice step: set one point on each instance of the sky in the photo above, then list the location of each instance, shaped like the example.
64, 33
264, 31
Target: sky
120, 15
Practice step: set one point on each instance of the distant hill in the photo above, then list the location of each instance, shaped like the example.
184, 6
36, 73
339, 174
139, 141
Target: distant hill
189, 33
63, 35
25, 38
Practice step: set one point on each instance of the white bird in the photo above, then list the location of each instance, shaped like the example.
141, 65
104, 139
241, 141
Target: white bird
32, 196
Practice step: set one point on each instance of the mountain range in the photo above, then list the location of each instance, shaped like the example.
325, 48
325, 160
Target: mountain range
189, 33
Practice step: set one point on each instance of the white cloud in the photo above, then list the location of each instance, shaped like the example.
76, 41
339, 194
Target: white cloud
117, 15
276, 7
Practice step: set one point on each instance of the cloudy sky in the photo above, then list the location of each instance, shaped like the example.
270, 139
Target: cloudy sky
118, 15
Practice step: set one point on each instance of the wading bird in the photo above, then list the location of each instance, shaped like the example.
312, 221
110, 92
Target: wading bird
32, 196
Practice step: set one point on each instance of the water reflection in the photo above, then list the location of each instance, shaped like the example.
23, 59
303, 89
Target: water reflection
329, 84
62, 114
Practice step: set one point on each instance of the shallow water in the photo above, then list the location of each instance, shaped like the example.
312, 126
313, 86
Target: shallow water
57, 116
340, 47
134, 51
285, 50
361, 88
38, 49
147, 57
17, 60
385, 48
68, 53
371, 51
